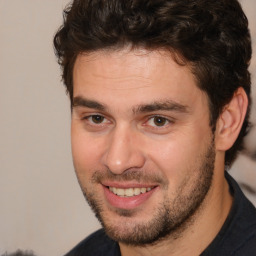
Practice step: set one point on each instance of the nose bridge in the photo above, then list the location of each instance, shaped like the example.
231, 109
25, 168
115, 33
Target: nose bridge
123, 151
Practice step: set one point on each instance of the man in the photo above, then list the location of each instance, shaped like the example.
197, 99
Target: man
159, 95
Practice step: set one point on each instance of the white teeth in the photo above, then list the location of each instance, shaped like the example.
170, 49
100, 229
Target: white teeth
136, 191
120, 192
129, 191
143, 190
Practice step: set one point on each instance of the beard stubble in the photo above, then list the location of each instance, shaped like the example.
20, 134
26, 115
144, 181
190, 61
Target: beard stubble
170, 218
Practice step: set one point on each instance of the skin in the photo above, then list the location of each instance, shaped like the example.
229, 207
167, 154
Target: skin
116, 141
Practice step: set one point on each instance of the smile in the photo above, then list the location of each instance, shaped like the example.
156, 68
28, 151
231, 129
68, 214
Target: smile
128, 196
128, 192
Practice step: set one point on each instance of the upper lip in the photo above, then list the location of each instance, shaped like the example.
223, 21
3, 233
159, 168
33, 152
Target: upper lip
125, 185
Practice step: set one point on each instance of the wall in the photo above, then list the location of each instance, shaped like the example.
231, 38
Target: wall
42, 207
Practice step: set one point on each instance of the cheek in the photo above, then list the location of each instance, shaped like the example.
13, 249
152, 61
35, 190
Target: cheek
171, 158
176, 157
85, 151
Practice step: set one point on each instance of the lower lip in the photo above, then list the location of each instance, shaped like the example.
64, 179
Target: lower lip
127, 203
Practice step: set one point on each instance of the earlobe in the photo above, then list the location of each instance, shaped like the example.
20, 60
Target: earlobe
231, 120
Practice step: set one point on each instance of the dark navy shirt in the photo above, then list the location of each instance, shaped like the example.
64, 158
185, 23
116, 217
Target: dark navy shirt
237, 237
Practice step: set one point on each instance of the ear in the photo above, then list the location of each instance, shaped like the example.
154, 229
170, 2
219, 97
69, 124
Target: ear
231, 120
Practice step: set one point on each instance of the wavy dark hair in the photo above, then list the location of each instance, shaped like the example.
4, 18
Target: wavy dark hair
210, 36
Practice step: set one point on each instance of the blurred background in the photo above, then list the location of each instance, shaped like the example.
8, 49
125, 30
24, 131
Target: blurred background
41, 206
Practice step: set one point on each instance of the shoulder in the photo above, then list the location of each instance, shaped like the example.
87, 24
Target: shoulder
237, 237
242, 225
96, 244
248, 247
244, 230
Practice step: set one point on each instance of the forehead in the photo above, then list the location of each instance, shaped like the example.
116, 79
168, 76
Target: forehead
137, 76
129, 58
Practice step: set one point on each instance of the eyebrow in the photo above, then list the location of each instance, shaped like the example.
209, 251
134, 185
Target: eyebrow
164, 105
167, 105
83, 102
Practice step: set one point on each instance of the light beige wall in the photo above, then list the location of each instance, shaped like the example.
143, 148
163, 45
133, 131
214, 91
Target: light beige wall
41, 206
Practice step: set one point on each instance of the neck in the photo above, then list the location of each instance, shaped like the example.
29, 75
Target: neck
200, 230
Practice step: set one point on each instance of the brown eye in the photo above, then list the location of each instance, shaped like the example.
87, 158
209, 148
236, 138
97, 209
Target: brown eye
159, 121
97, 119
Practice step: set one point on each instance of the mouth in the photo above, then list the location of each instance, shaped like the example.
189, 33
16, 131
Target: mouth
129, 196
129, 192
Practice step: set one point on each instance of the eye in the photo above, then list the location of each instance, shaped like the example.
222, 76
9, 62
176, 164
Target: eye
158, 121
96, 119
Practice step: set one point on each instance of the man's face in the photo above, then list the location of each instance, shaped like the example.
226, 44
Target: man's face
142, 147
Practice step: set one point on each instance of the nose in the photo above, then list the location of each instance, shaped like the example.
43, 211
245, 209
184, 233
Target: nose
123, 151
